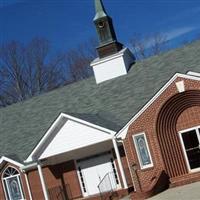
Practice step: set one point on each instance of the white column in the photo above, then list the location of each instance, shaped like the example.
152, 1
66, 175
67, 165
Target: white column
119, 163
28, 186
44, 188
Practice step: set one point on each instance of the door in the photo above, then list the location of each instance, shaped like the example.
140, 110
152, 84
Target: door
93, 170
191, 144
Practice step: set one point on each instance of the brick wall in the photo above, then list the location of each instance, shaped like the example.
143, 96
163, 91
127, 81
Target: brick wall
2, 195
24, 185
147, 123
61, 179
189, 118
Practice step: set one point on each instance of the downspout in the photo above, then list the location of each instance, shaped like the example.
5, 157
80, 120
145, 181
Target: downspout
44, 187
28, 186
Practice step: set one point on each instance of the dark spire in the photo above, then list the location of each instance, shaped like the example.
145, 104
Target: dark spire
100, 10
108, 44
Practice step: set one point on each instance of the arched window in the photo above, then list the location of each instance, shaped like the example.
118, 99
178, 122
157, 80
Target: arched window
12, 184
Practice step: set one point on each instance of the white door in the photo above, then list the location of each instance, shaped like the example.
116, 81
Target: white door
93, 170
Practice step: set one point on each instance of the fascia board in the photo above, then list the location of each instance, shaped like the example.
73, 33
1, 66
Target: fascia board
6, 159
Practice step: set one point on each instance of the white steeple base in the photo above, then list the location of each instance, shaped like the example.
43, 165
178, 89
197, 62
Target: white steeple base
112, 66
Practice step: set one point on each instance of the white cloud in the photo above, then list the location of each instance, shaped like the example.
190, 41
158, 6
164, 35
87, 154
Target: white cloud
178, 32
168, 35
171, 34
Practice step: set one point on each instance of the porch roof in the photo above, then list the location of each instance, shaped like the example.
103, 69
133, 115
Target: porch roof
80, 153
110, 104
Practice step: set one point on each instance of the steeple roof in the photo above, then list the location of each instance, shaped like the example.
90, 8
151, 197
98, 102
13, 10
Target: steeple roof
100, 10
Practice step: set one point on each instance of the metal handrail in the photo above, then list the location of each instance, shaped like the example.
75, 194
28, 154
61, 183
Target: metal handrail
106, 186
103, 178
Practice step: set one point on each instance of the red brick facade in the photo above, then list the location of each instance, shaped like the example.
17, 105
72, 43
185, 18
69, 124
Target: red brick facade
61, 179
24, 185
170, 112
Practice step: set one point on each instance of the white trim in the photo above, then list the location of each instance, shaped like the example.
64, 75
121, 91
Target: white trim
28, 186
42, 141
28, 167
19, 181
42, 181
119, 185
56, 122
121, 169
129, 167
6, 159
137, 151
189, 129
85, 194
144, 108
180, 85
89, 124
184, 152
193, 73
183, 146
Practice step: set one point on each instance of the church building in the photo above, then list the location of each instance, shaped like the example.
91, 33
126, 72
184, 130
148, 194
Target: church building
133, 128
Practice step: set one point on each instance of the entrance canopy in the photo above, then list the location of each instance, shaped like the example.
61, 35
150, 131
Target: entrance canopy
80, 153
72, 138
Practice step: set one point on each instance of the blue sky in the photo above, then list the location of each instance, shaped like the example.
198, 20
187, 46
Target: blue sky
67, 23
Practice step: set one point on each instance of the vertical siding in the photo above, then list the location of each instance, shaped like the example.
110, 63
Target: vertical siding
74, 135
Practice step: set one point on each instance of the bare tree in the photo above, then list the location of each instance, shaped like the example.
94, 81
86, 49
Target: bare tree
145, 46
43, 72
26, 71
12, 63
29, 70
36, 55
159, 41
77, 60
138, 45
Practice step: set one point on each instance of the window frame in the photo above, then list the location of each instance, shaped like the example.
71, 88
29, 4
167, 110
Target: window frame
138, 153
196, 128
5, 183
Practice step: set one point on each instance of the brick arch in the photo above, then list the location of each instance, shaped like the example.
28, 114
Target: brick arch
167, 134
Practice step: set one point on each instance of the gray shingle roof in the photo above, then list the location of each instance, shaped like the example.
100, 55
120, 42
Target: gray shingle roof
110, 104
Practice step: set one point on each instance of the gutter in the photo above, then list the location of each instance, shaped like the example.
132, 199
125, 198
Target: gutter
29, 167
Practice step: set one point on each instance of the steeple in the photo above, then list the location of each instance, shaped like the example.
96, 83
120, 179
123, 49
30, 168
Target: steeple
100, 10
113, 60
108, 43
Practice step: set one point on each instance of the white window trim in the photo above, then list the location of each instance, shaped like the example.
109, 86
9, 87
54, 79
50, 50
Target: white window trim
183, 146
5, 184
85, 194
119, 185
138, 154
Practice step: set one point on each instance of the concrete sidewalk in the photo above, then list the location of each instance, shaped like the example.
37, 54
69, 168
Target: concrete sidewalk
186, 192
